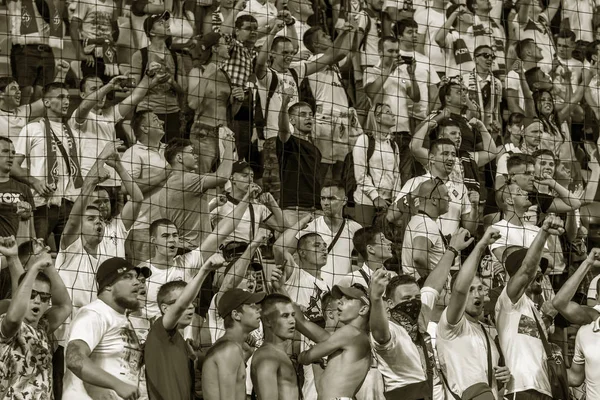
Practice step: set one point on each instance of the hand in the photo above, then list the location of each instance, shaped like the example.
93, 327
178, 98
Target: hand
113, 161
268, 200
502, 374
254, 190
412, 67
89, 59
379, 281
476, 123
461, 239
42, 263
238, 93
110, 150
9, 247
592, 258
553, 225
286, 96
380, 203
62, 66
577, 193
276, 279
24, 210
214, 262
548, 309
221, 200
286, 16
116, 81
490, 236
277, 26
127, 391
304, 221
262, 237
517, 66
240, 5
42, 188
474, 197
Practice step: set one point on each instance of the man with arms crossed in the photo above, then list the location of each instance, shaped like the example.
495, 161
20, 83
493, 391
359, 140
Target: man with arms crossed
348, 349
224, 369
273, 374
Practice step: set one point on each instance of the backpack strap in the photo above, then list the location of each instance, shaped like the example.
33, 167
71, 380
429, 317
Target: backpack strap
144, 54
337, 236
270, 93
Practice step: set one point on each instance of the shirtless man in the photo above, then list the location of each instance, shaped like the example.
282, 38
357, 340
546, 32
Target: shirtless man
348, 348
224, 369
273, 374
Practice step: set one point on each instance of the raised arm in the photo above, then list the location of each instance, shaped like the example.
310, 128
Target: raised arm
418, 140
287, 242
139, 92
9, 249
378, 319
462, 283
413, 91
223, 172
236, 274
132, 208
90, 101
517, 284
490, 150
284, 118
61, 302
190, 292
336, 53
440, 36
263, 56
337, 341
37, 108
19, 305
573, 312
374, 89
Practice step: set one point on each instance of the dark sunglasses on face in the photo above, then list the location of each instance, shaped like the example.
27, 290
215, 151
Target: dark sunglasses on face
44, 296
487, 56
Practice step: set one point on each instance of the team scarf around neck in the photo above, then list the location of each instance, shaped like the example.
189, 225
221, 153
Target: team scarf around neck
56, 149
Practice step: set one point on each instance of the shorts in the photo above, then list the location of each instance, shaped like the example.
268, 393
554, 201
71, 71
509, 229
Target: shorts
32, 65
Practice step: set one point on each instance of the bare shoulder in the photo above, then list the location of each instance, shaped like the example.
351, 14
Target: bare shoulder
224, 350
353, 335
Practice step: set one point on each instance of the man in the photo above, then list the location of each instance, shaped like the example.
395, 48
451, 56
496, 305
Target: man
534, 24
336, 128
35, 30
426, 76
104, 354
167, 356
147, 165
299, 161
273, 374
335, 230
283, 77
94, 31
183, 197
584, 366
488, 30
485, 89
463, 209
565, 45
224, 368
301, 11
48, 161
516, 312
430, 20
348, 350
81, 248
456, 40
403, 349
262, 209
27, 327
393, 82
465, 347
13, 115
375, 249
94, 120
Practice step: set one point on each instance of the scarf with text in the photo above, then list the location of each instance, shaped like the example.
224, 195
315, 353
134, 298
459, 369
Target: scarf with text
55, 148
49, 11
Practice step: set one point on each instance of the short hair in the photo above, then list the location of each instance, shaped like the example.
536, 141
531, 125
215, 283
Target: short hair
518, 159
50, 87
239, 21
309, 38
404, 24
174, 147
384, 40
304, 238
363, 238
470, 4
445, 90
5, 139
436, 144
41, 277
334, 183
228, 320
270, 302
87, 78
91, 207
543, 152
279, 39
523, 45
298, 105
159, 222
138, 120
516, 118
592, 49
326, 300
26, 250
397, 281
566, 34
5, 81
446, 122
483, 46
167, 289
531, 77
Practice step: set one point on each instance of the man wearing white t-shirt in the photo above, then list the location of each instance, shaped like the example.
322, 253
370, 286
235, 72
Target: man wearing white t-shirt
104, 354
403, 350
467, 352
430, 20
334, 229
518, 321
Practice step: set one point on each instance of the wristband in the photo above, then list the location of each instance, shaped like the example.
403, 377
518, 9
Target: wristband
452, 249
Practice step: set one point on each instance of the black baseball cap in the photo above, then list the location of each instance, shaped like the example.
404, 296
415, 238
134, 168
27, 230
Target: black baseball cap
149, 22
232, 299
114, 268
351, 292
239, 166
513, 259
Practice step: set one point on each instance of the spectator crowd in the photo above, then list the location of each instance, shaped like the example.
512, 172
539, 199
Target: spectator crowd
300, 199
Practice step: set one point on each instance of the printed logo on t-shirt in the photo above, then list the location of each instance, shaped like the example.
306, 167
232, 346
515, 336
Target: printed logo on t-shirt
527, 326
313, 312
131, 358
10, 198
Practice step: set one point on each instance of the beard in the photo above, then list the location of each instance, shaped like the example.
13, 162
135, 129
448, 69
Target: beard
129, 304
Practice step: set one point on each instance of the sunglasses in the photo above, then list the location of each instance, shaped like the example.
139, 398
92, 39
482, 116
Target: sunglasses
44, 296
487, 56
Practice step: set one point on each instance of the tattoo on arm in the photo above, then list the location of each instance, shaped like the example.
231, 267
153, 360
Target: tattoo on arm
77, 351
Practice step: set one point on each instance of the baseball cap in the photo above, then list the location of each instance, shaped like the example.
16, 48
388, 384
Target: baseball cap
352, 292
232, 299
149, 21
513, 259
114, 268
239, 166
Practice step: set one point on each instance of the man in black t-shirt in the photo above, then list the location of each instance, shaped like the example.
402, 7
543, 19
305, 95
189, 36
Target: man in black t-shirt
16, 202
299, 161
